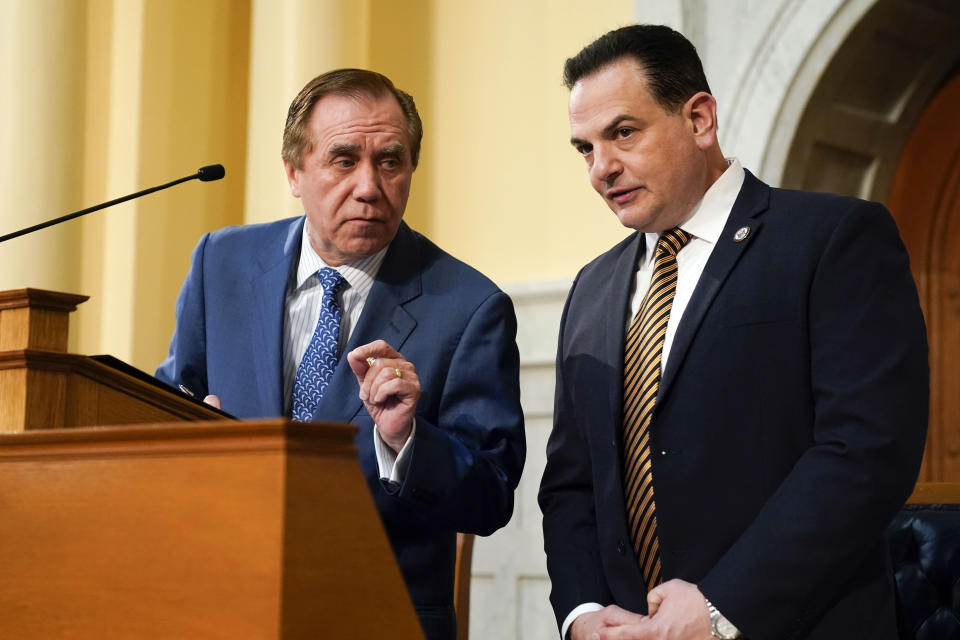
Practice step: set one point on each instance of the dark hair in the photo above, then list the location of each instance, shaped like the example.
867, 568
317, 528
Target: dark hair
353, 83
668, 60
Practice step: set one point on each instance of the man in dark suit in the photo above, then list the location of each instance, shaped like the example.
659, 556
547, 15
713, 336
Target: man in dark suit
742, 384
347, 315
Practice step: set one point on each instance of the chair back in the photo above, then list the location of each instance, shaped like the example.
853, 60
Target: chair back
925, 553
461, 584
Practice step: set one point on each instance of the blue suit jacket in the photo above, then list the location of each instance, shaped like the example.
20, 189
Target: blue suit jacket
788, 429
451, 322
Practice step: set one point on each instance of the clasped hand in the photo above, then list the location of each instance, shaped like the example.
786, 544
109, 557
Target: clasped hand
389, 389
677, 611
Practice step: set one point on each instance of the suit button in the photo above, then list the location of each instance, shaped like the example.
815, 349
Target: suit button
621, 547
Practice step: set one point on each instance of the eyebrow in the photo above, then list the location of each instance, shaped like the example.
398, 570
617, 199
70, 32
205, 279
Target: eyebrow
609, 129
392, 151
348, 149
343, 149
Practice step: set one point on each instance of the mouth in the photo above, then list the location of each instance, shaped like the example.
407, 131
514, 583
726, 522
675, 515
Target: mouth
623, 196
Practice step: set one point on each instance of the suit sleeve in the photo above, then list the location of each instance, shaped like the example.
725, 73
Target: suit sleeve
465, 466
186, 361
566, 499
870, 379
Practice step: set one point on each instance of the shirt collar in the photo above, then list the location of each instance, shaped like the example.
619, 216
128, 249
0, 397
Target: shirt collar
355, 273
708, 217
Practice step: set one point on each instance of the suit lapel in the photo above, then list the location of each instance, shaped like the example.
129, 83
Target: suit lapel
383, 318
616, 324
612, 313
269, 286
752, 201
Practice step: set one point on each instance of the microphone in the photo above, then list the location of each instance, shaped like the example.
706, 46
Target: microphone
204, 174
211, 172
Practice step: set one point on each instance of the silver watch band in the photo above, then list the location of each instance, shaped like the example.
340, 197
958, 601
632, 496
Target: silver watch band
720, 627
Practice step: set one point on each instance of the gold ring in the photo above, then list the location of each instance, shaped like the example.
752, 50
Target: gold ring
399, 373
370, 361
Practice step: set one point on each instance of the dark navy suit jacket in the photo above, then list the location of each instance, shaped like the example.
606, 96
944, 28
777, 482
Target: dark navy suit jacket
788, 429
452, 323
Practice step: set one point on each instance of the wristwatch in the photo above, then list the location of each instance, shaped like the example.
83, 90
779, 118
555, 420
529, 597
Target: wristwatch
720, 627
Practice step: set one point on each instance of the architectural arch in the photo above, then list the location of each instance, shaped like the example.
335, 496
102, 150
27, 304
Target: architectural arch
851, 131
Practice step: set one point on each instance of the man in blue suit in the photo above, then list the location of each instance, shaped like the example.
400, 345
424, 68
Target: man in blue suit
347, 315
742, 384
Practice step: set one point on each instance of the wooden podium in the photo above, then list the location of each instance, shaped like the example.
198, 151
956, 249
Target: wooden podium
44, 387
172, 529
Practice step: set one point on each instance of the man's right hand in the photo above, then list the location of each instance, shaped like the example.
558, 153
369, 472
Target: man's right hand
586, 625
678, 611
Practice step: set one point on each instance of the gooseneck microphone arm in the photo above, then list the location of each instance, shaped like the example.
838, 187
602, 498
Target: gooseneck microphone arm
204, 174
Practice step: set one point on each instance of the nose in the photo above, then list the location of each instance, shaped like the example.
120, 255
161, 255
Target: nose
367, 187
605, 166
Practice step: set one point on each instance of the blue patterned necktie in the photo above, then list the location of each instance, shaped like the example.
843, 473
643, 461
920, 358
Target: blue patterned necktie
320, 358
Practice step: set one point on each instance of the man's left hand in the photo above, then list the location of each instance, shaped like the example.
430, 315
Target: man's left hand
389, 389
678, 611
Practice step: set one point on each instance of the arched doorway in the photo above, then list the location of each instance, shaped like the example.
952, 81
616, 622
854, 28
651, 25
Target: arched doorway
925, 201
870, 96
879, 126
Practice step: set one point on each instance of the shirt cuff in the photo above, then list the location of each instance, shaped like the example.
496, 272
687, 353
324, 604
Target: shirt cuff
587, 607
392, 466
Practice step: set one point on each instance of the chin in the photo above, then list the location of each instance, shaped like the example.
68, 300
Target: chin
368, 246
645, 219
635, 221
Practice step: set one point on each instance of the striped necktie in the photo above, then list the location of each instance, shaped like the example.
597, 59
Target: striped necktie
320, 358
641, 380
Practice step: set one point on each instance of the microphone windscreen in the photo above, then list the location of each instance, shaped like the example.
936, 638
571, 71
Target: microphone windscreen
211, 172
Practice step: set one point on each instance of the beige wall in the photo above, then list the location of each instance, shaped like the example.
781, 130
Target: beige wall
103, 98
41, 136
511, 196
106, 97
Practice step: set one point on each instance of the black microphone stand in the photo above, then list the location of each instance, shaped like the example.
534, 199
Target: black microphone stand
204, 174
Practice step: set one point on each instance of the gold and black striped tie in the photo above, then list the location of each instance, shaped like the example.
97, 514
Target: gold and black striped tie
641, 380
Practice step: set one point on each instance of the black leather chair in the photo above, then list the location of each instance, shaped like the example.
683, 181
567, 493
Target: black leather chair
925, 551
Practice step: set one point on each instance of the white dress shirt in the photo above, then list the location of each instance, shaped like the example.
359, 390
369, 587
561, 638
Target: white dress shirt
704, 225
302, 311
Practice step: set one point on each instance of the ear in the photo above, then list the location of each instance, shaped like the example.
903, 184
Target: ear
293, 178
700, 111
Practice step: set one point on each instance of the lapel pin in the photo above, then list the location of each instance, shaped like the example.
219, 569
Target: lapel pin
741, 234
